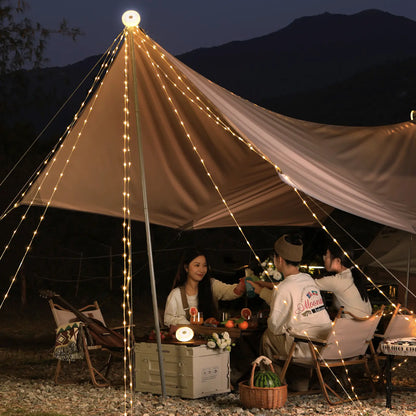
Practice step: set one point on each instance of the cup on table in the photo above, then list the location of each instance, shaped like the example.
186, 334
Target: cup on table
197, 319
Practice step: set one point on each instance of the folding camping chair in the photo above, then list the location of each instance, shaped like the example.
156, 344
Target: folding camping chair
402, 324
67, 321
345, 346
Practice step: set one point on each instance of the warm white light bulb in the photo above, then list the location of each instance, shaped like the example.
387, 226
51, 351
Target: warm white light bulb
130, 18
184, 334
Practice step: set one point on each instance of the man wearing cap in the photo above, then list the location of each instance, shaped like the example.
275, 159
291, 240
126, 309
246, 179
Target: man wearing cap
296, 303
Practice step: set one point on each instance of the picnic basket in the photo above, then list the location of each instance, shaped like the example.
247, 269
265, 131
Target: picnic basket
261, 397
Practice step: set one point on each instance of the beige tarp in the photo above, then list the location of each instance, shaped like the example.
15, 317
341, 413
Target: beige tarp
369, 172
393, 249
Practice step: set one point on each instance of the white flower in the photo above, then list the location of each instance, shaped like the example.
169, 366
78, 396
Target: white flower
228, 341
226, 335
223, 344
215, 336
211, 344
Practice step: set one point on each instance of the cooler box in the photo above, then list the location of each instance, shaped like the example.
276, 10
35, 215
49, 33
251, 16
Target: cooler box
190, 372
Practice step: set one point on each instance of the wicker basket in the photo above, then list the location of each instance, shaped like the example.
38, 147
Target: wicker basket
261, 397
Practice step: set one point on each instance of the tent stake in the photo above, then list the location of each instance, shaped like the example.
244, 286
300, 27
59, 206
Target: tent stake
147, 222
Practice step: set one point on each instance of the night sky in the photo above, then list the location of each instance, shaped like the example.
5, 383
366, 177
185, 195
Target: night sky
182, 25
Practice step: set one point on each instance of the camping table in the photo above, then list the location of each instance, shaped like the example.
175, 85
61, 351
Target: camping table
208, 330
396, 347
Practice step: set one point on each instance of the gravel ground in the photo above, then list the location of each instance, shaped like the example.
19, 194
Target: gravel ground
26, 385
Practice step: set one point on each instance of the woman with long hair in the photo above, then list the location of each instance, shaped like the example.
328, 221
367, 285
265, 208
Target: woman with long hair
348, 284
193, 287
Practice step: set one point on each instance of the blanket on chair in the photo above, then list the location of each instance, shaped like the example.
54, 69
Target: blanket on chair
68, 343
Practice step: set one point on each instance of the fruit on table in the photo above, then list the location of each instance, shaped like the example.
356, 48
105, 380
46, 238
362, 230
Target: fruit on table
229, 324
243, 325
211, 322
266, 378
246, 313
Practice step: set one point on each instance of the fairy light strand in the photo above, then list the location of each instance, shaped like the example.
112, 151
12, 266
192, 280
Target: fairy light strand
105, 57
318, 353
48, 167
198, 100
127, 249
363, 248
201, 159
210, 114
218, 121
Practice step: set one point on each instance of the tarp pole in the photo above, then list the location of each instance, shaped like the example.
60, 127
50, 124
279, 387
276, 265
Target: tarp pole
409, 258
146, 219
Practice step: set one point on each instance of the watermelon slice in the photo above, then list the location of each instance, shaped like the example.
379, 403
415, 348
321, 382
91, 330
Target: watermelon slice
193, 311
246, 313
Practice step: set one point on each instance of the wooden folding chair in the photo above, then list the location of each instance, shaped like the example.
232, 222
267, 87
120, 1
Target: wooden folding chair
63, 317
345, 346
402, 324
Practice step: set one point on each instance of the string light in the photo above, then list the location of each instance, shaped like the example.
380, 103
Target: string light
127, 272
205, 108
20, 194
128, 375
196, 99
201, 160
48, 166
361, 410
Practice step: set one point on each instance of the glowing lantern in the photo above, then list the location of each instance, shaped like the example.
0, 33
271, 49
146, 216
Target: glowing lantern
130, 18
184, 334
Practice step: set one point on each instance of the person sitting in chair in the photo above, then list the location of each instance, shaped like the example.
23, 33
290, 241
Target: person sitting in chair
347, 285
296, 303
193, 287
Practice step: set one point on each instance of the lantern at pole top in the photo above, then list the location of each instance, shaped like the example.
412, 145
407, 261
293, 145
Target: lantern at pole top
131, 18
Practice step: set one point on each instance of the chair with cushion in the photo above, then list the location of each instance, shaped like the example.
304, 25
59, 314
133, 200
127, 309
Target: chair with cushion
345, 346
402, 324
75, 341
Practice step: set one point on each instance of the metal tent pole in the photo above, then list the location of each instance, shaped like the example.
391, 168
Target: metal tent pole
409, 258
146, 217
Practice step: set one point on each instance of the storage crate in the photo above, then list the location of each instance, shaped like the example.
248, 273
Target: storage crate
190, 372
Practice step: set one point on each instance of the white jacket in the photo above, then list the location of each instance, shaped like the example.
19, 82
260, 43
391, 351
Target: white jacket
345, 293
297, 306
174, 310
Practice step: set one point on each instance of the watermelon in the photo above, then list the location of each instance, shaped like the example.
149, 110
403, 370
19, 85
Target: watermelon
266, 379
193, 311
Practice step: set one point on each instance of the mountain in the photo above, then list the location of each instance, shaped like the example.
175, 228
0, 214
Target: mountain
282, 71
384, 94
310, 53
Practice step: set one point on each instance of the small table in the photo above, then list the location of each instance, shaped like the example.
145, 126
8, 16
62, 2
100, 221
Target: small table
405, 347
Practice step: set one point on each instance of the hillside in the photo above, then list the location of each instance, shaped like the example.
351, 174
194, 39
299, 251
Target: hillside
310, 53
286, 71
384, 94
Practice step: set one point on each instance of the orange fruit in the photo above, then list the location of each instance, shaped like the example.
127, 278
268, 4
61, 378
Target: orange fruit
246, 313
229, 324
243, 325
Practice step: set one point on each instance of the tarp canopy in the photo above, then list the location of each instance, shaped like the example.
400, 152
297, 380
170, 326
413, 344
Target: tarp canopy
203, 145
393, 249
